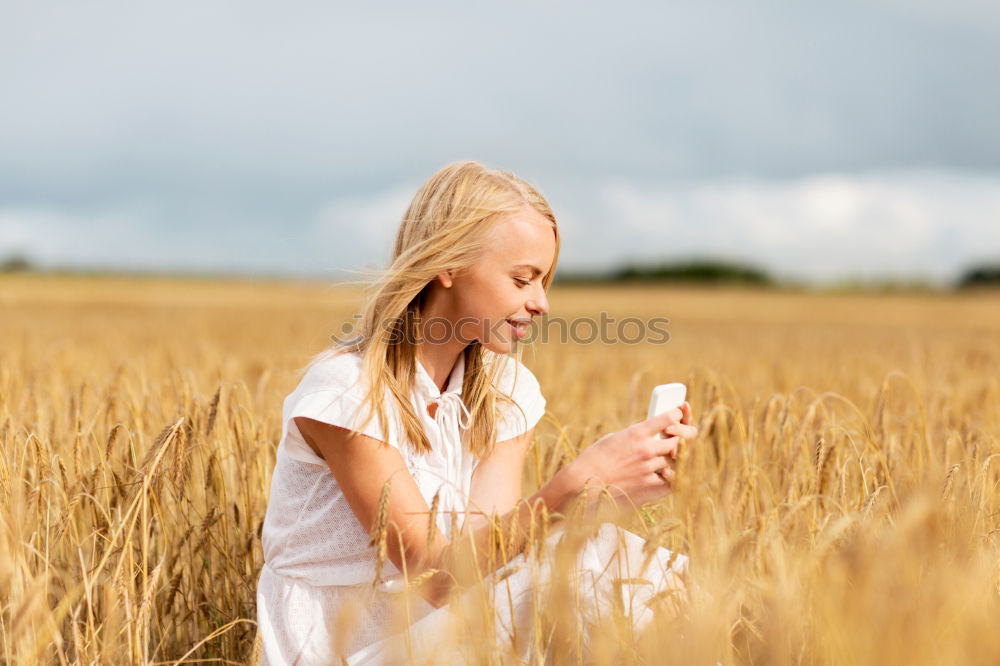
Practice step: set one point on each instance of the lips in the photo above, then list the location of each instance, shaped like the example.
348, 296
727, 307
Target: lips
520, 326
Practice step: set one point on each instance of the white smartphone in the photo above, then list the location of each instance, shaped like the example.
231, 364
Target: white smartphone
665, 397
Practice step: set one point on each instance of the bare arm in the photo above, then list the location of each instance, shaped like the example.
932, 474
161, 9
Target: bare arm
362, 465
626, 460
496, 481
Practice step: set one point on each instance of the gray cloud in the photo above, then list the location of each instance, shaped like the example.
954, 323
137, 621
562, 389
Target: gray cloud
233, 126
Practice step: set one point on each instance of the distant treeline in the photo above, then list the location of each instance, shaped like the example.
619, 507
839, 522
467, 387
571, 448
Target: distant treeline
711, 271
698, 271
981, 276
15, 264
692, 271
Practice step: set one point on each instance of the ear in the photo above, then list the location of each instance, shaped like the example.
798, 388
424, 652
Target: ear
446, 279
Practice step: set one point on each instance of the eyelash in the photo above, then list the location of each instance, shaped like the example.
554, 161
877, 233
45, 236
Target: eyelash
521, 283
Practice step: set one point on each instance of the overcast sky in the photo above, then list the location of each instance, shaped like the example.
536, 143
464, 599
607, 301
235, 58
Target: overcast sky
819, 140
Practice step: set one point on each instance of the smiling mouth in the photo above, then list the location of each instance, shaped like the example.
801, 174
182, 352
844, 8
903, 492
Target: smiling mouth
520, 327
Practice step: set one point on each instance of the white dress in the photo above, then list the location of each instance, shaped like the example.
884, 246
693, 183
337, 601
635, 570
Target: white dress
318, 567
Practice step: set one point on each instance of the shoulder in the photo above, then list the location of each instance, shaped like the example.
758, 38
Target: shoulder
520, 384
332, 388
333, 391
334, 370
516, 380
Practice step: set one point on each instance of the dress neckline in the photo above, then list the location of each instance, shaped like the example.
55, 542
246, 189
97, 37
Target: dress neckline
429, 389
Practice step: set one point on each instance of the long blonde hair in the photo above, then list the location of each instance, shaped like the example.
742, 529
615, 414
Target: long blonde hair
444, 229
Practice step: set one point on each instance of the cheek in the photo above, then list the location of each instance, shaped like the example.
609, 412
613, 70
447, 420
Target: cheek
485, 307
473, 314
489, 299
472, 306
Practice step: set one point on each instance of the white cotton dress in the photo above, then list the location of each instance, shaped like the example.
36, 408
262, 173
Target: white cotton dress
317, 557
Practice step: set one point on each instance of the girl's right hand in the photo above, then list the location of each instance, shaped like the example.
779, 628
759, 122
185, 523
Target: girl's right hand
633, 462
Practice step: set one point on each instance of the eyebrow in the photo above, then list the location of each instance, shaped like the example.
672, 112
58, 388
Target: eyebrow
534, 269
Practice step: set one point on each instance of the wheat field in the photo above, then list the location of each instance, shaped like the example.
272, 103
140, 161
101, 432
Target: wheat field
839, 506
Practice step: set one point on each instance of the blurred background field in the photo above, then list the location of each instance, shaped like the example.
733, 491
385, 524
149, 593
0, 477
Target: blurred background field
839, 506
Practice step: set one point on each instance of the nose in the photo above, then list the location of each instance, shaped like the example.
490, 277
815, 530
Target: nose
538, 305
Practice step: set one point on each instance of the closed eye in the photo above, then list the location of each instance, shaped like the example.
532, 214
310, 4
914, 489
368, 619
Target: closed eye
522, 283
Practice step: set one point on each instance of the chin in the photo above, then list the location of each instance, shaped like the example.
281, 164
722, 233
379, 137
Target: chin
500, 346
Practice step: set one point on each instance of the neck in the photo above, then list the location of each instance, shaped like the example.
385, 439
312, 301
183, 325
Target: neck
439, 360
436, 355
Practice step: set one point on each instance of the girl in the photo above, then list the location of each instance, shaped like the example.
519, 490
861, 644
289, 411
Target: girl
401, 447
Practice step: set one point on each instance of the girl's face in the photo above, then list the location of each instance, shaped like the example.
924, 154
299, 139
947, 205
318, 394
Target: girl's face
494, 300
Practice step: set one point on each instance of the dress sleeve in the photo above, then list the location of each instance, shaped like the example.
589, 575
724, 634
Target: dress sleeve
339, 403
519, 382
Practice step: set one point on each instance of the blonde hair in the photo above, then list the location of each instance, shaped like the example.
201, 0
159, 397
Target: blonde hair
444, 229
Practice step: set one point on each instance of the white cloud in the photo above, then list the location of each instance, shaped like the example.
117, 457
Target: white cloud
909, 223
901, 224
52, 235
367, 224
129, 236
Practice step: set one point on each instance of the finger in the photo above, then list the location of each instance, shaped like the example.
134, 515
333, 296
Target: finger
686, 409
655, 424
665, 447
681, 430
659, 462
667, 476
